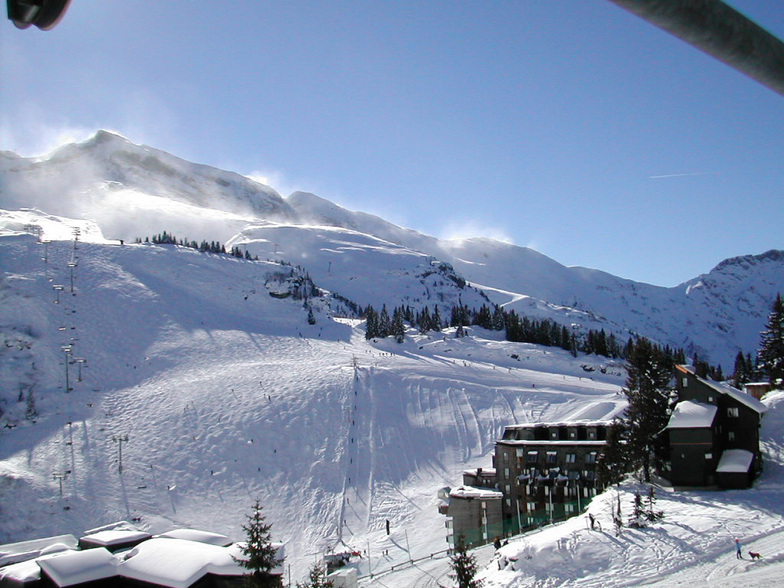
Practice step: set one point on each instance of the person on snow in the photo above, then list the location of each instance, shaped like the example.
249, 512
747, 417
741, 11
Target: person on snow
738, 553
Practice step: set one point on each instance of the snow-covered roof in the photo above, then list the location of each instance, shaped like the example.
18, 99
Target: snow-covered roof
199, 536
735, 461
554, 443
115, 537
722, 388
689, 415
21, 573
25, 550
177, 563
569, 423
480, 472
78, 567
473, 492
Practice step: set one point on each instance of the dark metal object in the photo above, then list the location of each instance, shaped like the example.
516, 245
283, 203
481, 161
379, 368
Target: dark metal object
720, 31
44, 14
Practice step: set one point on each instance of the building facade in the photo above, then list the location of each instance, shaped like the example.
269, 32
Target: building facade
542, 473
713, 434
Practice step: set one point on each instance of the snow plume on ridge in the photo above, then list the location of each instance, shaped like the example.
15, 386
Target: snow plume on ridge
133, 190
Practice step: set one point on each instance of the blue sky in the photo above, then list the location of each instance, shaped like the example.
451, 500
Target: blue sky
570, 126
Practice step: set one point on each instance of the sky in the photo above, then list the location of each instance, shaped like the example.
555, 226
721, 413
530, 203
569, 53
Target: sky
569, 126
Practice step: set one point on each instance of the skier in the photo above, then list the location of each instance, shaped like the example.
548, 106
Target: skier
738, 553
593, 521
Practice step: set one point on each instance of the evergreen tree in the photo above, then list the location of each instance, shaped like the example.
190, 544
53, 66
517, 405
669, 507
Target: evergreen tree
617, 515
398, 326
31, 412
771, 352
311, 318
638, 518
423, 321
317, 578
652, 514
384, 322
260, 555
464, 566
371, 323
742, 371
436, 324
613, 462
648, 392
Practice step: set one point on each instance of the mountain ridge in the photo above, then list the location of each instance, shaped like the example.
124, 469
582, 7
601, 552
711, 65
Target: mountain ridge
107, 173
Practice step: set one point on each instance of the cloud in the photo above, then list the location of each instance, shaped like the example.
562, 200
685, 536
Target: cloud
466, 229
274, 179
31, 136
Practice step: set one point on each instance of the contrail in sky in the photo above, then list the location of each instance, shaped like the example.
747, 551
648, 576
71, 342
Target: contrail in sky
679, 175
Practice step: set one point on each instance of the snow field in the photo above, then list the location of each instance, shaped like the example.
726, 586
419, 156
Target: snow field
226, 394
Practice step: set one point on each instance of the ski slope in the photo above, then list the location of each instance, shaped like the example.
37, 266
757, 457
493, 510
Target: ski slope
219, 393
226, 393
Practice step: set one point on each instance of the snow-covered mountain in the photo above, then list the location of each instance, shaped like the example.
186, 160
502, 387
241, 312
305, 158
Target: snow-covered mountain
227, 391
132, 191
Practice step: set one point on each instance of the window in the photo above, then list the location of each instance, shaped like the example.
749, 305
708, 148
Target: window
571, 458
532, 457
708, 456
531, 506
506, 472
731, 436
591, 457
733, 411
509, 502
710, 398
552, 457
685, 382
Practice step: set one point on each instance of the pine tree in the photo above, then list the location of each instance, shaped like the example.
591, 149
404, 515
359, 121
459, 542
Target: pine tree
317, 578
771, 352
436, 321
742, 371
638, 518
260, 555
613, 462
423, 320
652, 514
384, 322
648, 391
617, 515
31, 412
398, 326
371, 323
464, 566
